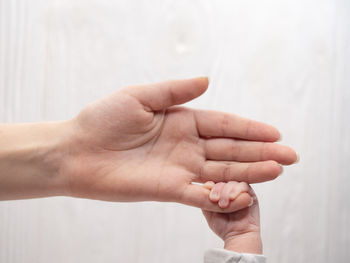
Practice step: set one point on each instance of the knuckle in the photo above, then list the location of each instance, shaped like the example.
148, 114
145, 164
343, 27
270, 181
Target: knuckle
226, 173
247, 174
224, 124
235, 150
266, 151
200, 173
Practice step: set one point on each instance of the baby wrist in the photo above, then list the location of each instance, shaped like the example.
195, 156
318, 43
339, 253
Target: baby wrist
249, 242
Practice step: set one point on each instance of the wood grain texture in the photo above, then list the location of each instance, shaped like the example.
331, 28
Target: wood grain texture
284, 62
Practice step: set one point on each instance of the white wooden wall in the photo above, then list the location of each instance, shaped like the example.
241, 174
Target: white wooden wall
286, 62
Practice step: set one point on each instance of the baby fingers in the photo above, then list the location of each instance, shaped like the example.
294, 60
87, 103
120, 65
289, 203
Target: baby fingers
224, 193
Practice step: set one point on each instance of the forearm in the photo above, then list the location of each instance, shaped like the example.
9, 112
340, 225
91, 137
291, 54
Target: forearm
30, 159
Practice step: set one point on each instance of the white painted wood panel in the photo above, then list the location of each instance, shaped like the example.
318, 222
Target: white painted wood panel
285, 62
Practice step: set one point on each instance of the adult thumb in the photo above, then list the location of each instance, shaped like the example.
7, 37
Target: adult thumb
159, 96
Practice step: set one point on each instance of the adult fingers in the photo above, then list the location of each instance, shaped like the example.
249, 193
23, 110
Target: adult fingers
223, 149
255, 172
220, 124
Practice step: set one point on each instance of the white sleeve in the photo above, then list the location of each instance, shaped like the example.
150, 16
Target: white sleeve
218, 255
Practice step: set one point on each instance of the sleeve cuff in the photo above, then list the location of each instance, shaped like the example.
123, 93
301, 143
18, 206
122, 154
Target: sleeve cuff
218, 255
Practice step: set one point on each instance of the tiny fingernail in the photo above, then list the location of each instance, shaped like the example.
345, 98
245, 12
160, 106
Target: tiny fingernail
222, 203
298, 159
251, 202
214, 195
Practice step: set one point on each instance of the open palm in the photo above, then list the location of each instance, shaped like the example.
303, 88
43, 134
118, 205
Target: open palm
135, 145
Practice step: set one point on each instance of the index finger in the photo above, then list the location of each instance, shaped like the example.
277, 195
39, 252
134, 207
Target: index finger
221, 124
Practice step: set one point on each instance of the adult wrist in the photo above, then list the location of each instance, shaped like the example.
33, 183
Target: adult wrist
31, 157
59, 150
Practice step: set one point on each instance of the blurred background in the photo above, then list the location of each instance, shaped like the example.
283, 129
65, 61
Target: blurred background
285, 62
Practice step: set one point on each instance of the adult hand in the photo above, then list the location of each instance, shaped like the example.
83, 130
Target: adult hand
135, 145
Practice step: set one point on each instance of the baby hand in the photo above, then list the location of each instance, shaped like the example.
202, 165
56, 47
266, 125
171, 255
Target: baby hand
224, 193
240, 230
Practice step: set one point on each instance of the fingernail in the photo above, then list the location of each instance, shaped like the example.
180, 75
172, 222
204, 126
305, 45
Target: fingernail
298, 159
223, 203
251, 202
214, 195
205, 78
